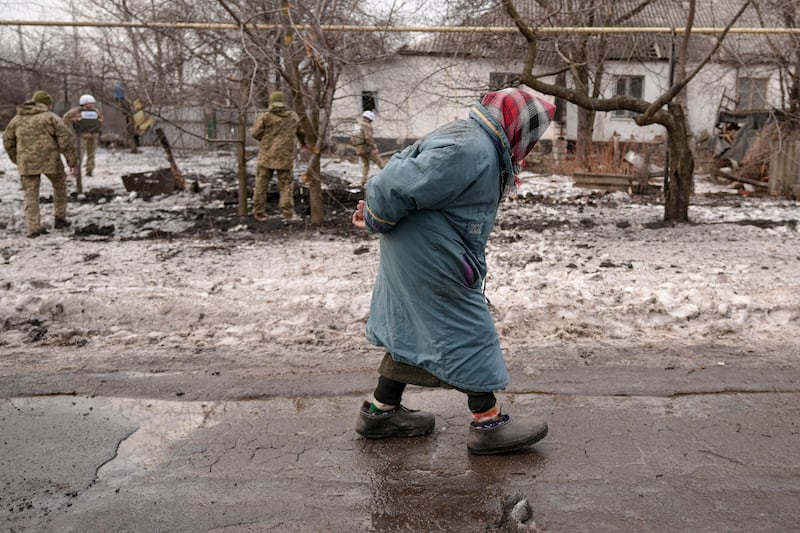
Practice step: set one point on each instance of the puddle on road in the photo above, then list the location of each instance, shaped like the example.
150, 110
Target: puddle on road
262, 446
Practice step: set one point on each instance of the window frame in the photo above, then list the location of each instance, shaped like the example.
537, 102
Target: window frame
755, 89
627, 91
368, 101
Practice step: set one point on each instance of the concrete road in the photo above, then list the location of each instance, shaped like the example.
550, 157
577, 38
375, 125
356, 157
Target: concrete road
709, 449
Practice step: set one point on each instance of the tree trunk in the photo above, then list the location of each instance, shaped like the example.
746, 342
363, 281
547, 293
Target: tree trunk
583, 141
315, 202
241, 166
680, 181
313, 173
241, 148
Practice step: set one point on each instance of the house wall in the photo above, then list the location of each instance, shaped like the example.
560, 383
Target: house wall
607, 125
417, 94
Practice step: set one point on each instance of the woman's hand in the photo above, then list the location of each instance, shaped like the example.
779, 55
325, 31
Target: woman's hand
358, 216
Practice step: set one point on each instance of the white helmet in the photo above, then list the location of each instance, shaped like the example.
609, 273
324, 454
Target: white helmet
369, 115
86, 99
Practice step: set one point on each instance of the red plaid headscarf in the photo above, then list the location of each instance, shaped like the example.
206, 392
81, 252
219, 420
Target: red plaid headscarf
523, 116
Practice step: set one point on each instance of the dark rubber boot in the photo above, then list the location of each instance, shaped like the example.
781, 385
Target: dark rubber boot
504, 435
399, 422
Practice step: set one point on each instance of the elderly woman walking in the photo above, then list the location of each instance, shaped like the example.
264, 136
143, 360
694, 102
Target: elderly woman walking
434, 206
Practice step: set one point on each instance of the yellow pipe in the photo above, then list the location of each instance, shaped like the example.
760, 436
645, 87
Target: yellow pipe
394, 29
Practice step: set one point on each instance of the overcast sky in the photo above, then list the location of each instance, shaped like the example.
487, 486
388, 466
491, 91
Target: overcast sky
56, 9
32, 10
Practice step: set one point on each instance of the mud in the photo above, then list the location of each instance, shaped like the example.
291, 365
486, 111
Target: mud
695, 458
114, 426
340, 199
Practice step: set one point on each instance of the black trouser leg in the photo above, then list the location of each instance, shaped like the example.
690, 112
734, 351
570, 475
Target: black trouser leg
480, 402
389, 391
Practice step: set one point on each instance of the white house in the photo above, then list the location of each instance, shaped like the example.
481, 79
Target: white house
434, 80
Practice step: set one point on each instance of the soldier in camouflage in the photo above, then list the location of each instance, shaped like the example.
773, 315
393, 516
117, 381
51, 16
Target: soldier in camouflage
87, 121
35, 139
275, 130
363, 141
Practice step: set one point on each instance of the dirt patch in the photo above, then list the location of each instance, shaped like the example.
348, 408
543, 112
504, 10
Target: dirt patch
216, 212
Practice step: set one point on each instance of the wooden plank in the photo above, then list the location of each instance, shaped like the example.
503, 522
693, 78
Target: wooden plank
744, 180
603, 175
603, 181
611, 182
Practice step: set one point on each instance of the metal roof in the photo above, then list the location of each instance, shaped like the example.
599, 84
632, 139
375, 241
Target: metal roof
737, 47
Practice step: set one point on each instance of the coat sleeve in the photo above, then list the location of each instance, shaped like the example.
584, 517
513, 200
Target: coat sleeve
428, 175
73, 115
257, 131
10, 140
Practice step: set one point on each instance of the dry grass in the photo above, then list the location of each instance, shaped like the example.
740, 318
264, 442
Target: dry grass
608, 158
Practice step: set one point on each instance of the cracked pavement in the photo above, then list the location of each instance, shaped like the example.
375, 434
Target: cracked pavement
711, 449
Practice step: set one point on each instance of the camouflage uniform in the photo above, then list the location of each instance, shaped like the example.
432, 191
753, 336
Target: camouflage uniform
87, 121
363, 141
275, 130
35, 139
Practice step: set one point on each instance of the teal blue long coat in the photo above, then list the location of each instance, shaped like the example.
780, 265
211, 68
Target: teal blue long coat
434, 205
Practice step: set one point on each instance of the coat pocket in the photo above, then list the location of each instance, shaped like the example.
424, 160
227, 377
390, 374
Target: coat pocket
470, 275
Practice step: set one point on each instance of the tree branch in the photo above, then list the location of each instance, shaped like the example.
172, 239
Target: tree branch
673, 91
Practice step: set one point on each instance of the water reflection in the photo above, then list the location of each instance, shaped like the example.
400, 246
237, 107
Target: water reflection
432, 484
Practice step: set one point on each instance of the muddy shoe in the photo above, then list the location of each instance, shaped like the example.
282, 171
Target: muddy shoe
504, 435
398, 422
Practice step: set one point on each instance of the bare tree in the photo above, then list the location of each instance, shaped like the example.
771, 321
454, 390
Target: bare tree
160, 64
36, 59
585, 55
304, 59
784, 50
665, 110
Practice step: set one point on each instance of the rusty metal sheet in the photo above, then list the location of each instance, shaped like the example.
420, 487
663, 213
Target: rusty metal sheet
157, 181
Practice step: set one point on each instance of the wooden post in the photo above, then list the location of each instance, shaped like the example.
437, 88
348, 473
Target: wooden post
241, 166
180, 183
241, 155
78, 178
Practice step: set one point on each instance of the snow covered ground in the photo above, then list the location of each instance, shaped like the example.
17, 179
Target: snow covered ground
576, 277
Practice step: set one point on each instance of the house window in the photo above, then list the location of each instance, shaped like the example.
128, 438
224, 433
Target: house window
628, 86
369, 101
501, 80
751, 93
